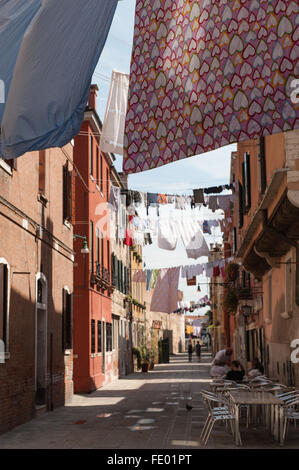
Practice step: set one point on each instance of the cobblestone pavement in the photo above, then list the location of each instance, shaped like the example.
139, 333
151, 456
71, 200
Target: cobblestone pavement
142, 411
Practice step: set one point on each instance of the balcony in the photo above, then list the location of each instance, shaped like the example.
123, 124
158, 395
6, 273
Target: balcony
102, 278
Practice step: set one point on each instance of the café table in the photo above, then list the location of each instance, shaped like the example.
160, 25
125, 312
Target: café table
253, 398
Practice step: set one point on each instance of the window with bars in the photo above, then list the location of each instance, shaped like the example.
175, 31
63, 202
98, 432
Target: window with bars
66, 320
93, 336
99, 336
108, 337
4, 302
66, 193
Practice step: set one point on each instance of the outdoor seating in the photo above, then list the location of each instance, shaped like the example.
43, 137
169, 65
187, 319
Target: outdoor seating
291, 413
222, 414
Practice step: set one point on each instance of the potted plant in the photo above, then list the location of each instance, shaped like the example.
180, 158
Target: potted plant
230, 301
232, 271
136, 358
145, 358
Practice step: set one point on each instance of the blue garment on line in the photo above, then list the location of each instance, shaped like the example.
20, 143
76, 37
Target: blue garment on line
15, 17
52, 75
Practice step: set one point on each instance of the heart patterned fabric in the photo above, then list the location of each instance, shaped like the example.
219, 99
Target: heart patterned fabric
208, 73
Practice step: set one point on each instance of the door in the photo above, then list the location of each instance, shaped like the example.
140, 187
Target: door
41, 357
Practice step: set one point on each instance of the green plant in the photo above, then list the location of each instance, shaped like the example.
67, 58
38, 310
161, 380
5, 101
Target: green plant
145, 353
232, 271
136, 352
230, 301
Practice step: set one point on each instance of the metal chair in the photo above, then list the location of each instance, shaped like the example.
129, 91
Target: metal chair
291, 413
222, 414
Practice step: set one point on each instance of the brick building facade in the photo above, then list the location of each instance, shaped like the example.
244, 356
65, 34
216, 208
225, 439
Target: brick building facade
36, 284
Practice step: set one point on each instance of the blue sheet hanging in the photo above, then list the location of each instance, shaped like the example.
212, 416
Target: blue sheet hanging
50, 85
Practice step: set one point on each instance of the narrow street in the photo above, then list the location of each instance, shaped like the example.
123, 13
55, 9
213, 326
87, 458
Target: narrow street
142, 411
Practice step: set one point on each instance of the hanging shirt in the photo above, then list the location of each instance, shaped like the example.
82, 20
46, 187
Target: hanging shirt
167, 235
128, 239
114, 197
112, 136
198, 196
148, 278
165, 296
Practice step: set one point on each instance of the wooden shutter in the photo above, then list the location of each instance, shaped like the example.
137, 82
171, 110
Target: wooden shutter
42, 172
93, 337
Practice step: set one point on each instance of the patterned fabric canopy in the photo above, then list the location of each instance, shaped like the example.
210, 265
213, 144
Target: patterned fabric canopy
207, 73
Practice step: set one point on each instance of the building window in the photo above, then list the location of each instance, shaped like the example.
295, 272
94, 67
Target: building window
270, 297
241, 206
102, 249
91, 154
108, 255
262, 166
98, 245
101, 173
66, 319
246, 182
93, 336
67, 193
97, 166
107, 183
4, 302
235, 243
42, 173
91, 246
108, 337
99, 336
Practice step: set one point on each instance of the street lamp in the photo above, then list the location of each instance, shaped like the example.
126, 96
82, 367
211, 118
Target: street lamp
84, 248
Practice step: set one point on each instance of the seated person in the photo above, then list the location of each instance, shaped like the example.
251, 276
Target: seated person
236, 373
217, 371
257, 368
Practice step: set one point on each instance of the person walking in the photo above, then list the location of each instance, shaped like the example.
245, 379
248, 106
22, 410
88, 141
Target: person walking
190, 351
198, 350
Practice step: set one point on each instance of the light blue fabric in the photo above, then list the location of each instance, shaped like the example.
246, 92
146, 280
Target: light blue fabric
50, 86
15, 16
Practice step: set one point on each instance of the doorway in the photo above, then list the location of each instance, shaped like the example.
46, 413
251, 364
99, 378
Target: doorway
41, 341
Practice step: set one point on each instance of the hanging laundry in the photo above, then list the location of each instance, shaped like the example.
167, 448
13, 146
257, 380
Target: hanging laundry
198, 196
152, 200
199, 53
148, 239
155, 275
138, 238
170, 199
193, 238
139, 276
180, 202
192, 281
206, 227
224, 202
213, 203
165, 296
15, 17
129, 237
167, 235
52, 74
149, 273
112, 137
114, 197
214, 190
162, 199
216, 271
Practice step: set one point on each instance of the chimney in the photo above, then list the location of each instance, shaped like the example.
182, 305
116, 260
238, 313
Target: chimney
92, 100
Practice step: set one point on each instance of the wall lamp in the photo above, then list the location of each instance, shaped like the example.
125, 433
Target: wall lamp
84, 248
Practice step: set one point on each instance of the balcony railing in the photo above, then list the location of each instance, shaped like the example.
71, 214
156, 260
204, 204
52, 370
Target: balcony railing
102, 278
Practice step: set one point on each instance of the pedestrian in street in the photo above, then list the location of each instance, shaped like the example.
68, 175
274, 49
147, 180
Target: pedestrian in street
198, 350
190, 351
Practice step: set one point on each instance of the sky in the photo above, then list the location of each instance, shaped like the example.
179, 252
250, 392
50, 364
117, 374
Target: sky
210, 169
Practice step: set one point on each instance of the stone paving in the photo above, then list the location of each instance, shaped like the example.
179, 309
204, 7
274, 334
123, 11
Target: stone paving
141, 411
